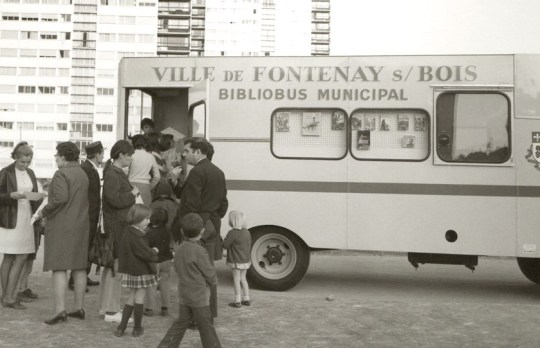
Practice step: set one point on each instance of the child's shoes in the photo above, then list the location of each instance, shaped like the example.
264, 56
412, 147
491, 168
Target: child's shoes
246, 303
137, 331
235, 304
148, 312
164, 312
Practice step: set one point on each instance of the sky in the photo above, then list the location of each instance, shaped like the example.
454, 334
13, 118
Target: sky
388, 27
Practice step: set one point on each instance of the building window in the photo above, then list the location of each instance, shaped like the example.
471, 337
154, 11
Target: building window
8, 144
7, 88
62, 109
6, 125
10, 16
126, 20
23, 107
107, 37
64, 90
81, 129
8, 52
47, 53
29, 17
8, 70
105, 91
63, 72
45, 108
46, 89
126, 37
25, 125
65, 18
28, 53
63, 53
27, 89
104, 127
47, 72
44, 126
61, 126
29, 35
49, 17
7, 107
27, 71
9, 34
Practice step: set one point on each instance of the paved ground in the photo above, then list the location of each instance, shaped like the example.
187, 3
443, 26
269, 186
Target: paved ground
376, 314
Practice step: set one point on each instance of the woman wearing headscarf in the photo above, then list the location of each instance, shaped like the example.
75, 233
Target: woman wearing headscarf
67, 230
17, 238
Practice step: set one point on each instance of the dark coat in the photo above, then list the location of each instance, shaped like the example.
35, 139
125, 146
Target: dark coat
94, 194
134, 254
66, 229
8, 206
117, 199
160, 237
195, 274
205, 193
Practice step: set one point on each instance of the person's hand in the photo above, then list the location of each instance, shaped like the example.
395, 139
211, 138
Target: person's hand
155, 249
17, 195
135, 191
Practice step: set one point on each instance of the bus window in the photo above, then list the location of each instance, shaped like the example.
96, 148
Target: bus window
309, 133
397, 134
473, 127
139, 106
198, 120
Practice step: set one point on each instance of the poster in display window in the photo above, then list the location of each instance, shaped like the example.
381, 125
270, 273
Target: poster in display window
311, 124
364, 140
282, 122
338, 121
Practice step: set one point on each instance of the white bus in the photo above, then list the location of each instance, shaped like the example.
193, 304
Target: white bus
434, 156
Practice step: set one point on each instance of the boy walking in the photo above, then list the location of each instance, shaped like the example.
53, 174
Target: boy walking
195, 276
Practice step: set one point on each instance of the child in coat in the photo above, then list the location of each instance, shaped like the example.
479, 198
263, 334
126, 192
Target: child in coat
136, 262
158, 236
238, 245
195, 276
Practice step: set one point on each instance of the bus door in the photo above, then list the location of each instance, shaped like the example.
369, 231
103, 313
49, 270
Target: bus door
199, 111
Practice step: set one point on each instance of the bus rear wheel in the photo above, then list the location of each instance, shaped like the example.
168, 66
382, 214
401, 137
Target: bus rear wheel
530, 267
279, 259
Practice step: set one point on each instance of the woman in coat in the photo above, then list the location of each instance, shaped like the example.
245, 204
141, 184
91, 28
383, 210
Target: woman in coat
118, 197
16, 231
67, 230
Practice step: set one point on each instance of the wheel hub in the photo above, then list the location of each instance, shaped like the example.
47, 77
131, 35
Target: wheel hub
273, 254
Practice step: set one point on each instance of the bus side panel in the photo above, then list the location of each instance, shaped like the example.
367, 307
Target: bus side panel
418, 223
527, 125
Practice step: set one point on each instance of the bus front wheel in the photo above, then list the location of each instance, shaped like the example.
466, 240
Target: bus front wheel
530, 267
279, 259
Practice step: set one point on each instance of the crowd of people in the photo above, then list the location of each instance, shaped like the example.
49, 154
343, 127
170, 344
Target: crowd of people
156, 214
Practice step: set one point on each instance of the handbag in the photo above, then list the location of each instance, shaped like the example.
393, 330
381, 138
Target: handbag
101, 251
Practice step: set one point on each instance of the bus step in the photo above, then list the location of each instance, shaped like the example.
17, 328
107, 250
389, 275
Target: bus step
469, 261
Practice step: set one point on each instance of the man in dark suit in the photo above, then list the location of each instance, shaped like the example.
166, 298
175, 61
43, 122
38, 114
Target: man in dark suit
94, 158
205, 193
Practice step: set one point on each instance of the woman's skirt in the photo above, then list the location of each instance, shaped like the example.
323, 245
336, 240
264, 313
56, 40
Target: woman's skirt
139, 282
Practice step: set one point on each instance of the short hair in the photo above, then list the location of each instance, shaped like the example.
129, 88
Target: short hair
152, 141
237, 219
137, 213
147, 122
69, 150
198, 144
138, 142
121, 147
22, 149
166, 141
159, 217
192, 225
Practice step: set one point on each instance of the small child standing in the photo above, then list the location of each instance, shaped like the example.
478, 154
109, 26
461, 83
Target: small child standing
195, 276
238, 245
136, 263
158, 236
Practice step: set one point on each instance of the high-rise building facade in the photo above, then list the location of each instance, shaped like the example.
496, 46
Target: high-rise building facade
59, 58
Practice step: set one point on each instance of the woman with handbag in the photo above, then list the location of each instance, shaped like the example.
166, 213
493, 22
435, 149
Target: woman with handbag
118, 196
67, 231
17, 239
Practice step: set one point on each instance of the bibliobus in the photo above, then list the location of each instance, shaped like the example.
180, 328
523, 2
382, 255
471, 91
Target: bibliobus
434, 156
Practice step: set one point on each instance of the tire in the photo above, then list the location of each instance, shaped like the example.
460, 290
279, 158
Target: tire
279, 259
530, 267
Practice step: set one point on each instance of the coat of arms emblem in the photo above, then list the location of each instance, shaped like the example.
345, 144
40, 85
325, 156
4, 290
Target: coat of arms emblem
533, 154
